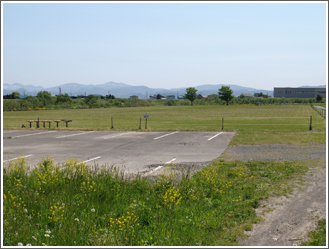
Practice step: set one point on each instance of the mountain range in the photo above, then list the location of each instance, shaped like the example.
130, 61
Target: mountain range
122, 90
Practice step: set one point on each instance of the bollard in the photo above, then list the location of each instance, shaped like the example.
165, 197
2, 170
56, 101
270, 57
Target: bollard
222, 123
140, 123
38, 123
111, 122
310, 123
145, 123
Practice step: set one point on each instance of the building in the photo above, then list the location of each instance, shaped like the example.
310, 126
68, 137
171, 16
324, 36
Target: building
247, 95
171, 97
199, 96
289, 92
133, 97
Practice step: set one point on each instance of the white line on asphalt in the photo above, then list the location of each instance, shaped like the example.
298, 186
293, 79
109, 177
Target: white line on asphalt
16, 158
166, 135
174, 159
7, 131
33, 134
76, 134
92, 159
159, 167
119, 135
215, 136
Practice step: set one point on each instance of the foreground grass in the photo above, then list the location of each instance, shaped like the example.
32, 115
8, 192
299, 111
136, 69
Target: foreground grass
318, 237
70, 204
255, 124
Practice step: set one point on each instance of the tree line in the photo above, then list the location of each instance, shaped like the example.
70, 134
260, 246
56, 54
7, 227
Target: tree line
45, 101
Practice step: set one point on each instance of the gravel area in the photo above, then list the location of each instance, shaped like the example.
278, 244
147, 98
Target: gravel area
276, 152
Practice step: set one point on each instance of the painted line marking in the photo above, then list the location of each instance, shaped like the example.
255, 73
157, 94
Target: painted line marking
159, 167
166, 135
16, 158
215, 136
174, 159
91, 159
33, 134
7, 131
76, 134
119, 135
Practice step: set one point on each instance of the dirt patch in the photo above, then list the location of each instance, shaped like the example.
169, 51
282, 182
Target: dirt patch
286, 221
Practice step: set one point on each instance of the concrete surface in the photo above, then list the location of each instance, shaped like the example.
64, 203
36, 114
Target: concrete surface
132, 151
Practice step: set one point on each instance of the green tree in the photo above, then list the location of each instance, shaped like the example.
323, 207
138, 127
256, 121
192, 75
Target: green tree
45, 98
63, 98
226, 94
318, 98
242, 96
91, 100
159, 96
190, 94
13, 95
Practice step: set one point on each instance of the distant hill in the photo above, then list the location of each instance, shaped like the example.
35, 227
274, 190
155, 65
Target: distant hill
122, 90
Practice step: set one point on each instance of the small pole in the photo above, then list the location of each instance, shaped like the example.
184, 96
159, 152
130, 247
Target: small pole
111, 122
146, 123
310, 123
140, 123
38, 123
222, 123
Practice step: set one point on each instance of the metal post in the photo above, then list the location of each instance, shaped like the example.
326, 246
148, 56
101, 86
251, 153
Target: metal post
38, 123
310, 123
222, 123
140, 123
145, 123
111, 122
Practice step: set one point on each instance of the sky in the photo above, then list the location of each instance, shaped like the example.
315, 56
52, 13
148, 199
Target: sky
165, 44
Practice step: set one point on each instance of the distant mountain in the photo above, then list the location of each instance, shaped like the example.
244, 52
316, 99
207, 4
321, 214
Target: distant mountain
122, 90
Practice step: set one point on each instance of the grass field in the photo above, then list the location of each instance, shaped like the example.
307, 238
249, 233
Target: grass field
255, 124
67, 205
72, 205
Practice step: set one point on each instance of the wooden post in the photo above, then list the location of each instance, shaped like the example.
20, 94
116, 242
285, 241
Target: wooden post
222, 123
38, 123
111, 122
140, 123
145, 123
310, 123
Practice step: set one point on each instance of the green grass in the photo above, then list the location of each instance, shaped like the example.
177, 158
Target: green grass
79, 206
255, 124
318, 237
70, 204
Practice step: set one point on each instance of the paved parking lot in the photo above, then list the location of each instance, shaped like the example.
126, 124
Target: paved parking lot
134, 151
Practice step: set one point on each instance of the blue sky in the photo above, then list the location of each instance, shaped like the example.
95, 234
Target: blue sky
165, 45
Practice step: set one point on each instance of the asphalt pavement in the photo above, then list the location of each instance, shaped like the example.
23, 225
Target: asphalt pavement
143, 152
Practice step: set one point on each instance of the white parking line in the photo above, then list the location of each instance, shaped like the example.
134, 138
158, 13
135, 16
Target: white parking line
159, 167
75, 134
92, 159
33, 134
215, 136
166, 135
174, 159
16, 158
119, 135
